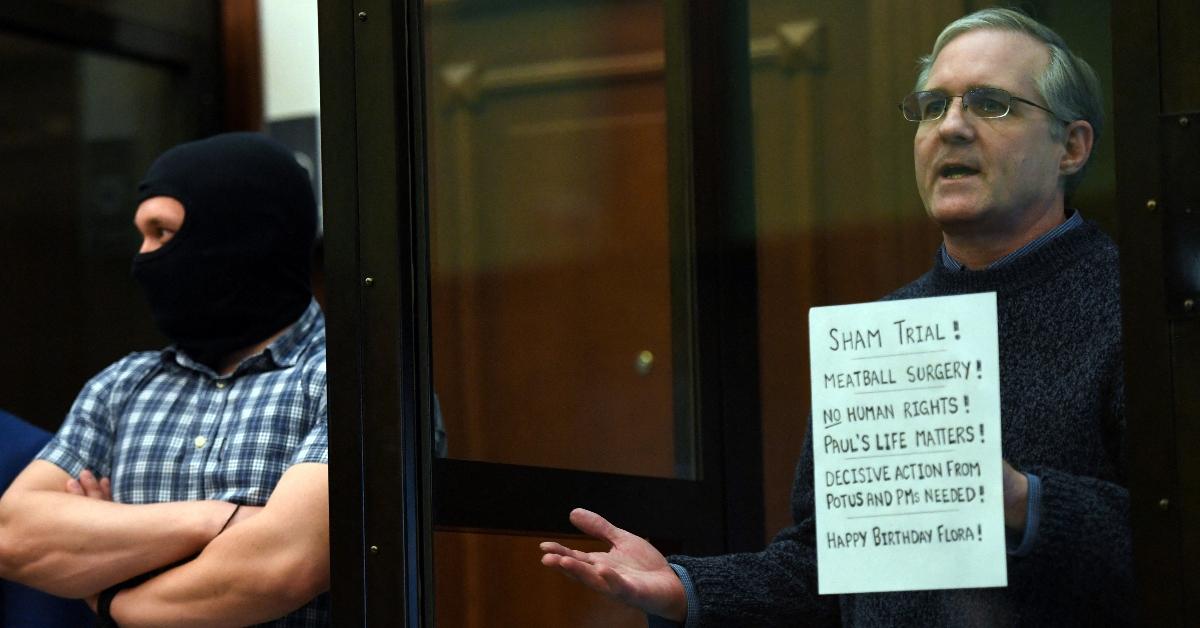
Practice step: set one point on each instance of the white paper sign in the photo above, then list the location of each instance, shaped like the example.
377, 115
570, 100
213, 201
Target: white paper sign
906, 442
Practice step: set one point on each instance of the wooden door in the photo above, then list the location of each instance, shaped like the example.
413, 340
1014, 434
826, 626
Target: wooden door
550, 250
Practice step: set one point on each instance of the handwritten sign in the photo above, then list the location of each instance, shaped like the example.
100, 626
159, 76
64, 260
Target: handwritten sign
906, 442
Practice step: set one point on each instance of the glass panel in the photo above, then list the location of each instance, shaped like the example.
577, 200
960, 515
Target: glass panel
1084, 25
497, 581
551, 276
839, 215
823, 202
72, 149
839, 221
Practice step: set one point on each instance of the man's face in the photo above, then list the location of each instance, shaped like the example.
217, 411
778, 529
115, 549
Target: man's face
989, 178
158, 219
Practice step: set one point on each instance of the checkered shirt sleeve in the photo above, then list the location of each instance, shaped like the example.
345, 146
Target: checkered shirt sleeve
88, 435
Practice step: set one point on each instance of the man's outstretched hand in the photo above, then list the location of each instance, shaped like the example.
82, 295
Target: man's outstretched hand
631, 571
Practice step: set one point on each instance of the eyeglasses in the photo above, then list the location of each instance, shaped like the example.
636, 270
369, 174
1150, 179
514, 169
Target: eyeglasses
982, 102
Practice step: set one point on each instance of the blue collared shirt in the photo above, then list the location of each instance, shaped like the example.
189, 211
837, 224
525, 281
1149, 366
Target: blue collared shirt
165, 428
1072, 221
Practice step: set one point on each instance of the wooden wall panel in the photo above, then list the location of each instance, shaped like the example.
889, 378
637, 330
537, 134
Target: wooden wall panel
786, 127
551, 273
241, 57
839, 217
551, 282
514, 590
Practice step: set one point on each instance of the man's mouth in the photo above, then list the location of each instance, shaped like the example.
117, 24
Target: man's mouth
956, 172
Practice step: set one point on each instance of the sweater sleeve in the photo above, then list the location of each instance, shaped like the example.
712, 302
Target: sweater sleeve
1085, 542
1085, 538
774, 587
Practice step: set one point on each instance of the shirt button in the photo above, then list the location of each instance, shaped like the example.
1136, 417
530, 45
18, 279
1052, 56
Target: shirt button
220, 383
200, 442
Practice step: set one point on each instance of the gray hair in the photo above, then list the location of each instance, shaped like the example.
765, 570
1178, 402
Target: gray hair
1068, 84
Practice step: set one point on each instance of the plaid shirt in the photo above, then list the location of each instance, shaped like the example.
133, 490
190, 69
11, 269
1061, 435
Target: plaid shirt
165, 428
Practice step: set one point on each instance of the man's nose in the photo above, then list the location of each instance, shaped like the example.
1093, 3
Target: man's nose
955, 125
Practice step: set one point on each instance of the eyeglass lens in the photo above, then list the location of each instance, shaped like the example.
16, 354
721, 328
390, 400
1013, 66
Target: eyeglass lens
985, 102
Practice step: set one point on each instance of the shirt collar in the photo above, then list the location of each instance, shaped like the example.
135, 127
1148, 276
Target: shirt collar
1073, 221
288, 347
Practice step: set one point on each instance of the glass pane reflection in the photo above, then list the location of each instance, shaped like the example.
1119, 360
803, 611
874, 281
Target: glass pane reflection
76, 134
497, 581
550, 249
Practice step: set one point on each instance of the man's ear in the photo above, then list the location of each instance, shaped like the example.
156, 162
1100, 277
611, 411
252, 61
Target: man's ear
1078, 145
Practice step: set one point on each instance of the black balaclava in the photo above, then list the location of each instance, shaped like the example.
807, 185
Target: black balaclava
237, 271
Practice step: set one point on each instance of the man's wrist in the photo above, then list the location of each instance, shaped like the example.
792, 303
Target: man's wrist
233, 514
691, 603
1016, 500
212, 518
1022, 543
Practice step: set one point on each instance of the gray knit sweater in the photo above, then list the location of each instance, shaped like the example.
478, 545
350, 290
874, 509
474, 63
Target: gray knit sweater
1062, 397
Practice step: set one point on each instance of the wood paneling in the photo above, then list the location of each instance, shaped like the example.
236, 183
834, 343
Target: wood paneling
551, 286
839, 217
551, 278
241, 57
515, 590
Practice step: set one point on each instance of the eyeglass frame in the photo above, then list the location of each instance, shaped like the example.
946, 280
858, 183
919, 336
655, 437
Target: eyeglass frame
963, 98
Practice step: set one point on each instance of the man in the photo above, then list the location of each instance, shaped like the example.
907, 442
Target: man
1006, 119
188, 486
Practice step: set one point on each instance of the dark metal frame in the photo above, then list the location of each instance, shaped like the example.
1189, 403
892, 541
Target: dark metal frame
720, 173
1151, 461
1161, 336
382, 503
373, 159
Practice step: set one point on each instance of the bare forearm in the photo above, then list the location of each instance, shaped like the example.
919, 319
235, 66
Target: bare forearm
247, 575
75, 546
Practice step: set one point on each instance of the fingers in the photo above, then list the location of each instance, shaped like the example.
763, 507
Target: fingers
593, 524
551, 547
632, 571
88, 486
599, 578
613, 580
91, 486
589, 575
